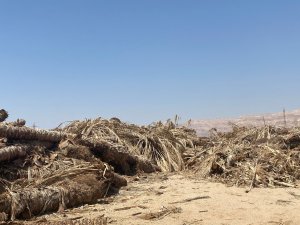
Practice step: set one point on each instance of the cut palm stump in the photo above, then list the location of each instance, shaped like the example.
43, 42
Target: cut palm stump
26, 133
13, 152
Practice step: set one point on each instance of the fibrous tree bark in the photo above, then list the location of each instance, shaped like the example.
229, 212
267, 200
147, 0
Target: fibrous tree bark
26, 133
120, 159
83, 189
13, 152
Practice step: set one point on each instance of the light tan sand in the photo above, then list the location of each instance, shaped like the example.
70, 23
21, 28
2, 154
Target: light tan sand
226, 205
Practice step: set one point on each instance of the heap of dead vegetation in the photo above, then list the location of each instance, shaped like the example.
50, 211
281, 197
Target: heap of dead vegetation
45, 171
162, 144
247, 156
264, 157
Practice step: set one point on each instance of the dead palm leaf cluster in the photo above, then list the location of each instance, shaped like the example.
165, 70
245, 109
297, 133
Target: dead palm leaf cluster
40, 172
162, 144
44, 171
265, 157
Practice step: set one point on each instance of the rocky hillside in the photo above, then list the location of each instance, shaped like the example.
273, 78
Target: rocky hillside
203, 126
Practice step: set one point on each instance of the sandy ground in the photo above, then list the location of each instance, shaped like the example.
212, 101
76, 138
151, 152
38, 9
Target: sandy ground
181, 199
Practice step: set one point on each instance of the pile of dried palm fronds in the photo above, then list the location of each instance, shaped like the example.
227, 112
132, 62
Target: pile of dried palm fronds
162, 144
45, 171
265, 156
39, 173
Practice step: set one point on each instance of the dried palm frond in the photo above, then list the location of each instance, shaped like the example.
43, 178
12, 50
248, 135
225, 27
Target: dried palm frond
17, 123
159, 143
232, 157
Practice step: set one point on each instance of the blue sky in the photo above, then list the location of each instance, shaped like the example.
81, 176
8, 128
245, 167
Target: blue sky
147, 60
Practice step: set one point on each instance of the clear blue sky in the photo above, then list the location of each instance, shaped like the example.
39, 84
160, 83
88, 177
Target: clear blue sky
147, 60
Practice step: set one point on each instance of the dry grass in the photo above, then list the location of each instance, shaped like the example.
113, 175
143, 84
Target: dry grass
162, 144
265, 157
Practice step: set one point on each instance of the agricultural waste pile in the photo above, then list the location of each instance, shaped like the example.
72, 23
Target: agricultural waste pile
44, 171
78, 163
262, 157
162, 144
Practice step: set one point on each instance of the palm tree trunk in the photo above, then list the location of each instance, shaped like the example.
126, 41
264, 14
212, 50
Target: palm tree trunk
13, 152
26, 133
82, 189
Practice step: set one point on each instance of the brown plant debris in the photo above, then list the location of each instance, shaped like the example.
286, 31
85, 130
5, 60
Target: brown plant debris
191, 199
26, 133
158, 143
250, 156
163, 212
13, 152
100, 220
44, 171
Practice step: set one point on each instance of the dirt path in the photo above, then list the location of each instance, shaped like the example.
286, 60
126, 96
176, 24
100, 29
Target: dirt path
177, 199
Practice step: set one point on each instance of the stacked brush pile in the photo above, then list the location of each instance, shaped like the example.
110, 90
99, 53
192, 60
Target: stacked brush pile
48, 171
161, 144
44, 171
249, 156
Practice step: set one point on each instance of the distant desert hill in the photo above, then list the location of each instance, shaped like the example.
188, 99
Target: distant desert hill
203, 126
